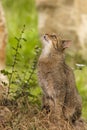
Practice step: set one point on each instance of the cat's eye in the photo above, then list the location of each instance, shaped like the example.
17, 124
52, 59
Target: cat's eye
53, 36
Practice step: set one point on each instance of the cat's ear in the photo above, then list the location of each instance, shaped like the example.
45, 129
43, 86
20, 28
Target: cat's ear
66, 43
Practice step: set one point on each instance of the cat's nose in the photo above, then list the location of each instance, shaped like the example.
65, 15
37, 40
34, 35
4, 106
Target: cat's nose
44, 36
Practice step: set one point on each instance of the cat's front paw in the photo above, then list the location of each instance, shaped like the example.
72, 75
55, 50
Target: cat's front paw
46, 108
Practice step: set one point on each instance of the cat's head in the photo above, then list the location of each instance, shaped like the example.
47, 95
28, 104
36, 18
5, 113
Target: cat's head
54, 42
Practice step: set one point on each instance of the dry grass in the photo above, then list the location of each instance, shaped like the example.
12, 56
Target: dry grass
29, 117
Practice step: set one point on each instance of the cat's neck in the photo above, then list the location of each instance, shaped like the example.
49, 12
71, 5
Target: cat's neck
51, 57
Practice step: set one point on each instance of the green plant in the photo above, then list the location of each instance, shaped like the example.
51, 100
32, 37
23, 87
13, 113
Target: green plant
21, 74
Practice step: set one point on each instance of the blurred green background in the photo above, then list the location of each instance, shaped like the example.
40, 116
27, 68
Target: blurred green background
23, 12
20, 13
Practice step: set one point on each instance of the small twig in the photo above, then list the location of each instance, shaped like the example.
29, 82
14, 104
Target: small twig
15, 56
